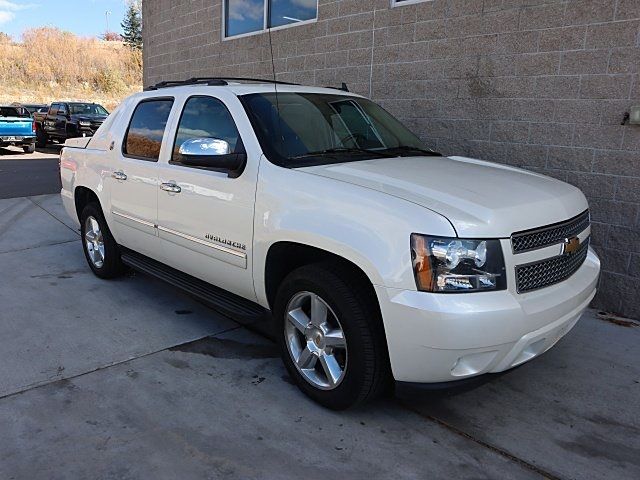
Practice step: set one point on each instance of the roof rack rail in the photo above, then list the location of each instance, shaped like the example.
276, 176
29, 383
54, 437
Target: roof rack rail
212, 81
342, 87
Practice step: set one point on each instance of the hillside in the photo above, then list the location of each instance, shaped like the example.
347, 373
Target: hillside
54, 65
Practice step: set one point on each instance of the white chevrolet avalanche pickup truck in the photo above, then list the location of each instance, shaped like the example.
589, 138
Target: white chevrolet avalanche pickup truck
374, 258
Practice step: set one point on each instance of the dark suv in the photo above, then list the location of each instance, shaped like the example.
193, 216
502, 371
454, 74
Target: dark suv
69, 120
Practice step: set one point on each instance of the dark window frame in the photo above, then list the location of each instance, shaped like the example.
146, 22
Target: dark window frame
126, 133
239, 145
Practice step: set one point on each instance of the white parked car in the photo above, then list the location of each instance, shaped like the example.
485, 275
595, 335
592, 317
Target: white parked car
375, 258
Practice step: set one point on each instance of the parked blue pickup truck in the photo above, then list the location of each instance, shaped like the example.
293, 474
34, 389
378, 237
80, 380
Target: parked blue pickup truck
16, 129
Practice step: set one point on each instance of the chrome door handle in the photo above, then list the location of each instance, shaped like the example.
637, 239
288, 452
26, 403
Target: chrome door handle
170, 187
119, 176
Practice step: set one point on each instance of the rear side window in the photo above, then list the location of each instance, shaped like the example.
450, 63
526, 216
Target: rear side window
206, 117
148, 123
8, 112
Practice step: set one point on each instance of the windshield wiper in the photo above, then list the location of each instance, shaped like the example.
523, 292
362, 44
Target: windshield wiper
408, 148
332, 151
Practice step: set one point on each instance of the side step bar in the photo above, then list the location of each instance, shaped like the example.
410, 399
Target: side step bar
240, 309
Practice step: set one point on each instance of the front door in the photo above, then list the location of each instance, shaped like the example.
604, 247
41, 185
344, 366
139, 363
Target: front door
60, 127
134, 179
205, 217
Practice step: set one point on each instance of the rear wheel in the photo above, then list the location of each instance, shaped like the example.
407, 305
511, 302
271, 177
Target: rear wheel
29, 148
100, 248
332, 341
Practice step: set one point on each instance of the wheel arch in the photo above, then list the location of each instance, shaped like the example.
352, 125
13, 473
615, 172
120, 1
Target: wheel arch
285, 256
82, 196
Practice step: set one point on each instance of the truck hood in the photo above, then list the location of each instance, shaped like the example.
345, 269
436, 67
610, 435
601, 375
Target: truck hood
480, 199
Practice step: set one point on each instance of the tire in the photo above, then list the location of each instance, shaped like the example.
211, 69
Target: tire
41, 138
102, 254
364, 363
31, 148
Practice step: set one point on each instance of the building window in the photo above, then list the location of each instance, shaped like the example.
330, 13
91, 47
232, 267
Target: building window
399, 3
246, 17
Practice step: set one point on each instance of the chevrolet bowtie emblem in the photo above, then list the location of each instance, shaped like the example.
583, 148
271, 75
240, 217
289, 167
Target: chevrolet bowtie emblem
570, 245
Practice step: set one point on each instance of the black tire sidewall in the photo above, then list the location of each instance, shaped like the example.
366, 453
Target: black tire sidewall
41, 137
112, 266
346, 306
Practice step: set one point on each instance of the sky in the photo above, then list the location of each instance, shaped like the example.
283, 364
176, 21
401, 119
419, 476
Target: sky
82, 17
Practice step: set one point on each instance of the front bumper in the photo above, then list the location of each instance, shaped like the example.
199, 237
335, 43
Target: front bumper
441, 338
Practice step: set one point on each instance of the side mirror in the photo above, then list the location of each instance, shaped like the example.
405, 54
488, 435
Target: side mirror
211, 153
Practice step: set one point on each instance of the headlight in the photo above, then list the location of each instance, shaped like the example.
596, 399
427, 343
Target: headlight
453, 265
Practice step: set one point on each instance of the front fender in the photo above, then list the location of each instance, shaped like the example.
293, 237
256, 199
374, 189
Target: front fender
369, 228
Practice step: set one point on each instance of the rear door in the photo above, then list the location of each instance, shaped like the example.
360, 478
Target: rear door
134, 180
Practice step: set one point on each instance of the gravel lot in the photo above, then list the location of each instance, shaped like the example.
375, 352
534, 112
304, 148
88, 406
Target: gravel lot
132, 379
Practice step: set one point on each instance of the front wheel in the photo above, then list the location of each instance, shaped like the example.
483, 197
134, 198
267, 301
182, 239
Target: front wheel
100, 248
31, 148
331, 336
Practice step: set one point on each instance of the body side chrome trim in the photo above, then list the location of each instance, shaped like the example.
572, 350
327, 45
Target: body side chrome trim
134, 219
202, 242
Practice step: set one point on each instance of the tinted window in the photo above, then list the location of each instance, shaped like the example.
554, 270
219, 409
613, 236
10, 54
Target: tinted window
144, 137
284, 12
87, 109
244, 16
300, 129
8, 112
205, 117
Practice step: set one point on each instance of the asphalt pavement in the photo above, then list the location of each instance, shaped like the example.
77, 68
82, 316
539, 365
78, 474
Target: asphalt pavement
132, 379
26, 174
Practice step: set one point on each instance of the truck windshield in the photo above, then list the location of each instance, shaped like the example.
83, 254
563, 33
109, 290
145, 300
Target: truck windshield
305, 129
87, 109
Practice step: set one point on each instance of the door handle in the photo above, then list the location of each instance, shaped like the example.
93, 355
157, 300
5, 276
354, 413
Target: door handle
170, 187
119, 176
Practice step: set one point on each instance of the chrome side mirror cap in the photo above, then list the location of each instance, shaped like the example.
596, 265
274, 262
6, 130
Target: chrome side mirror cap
205, 147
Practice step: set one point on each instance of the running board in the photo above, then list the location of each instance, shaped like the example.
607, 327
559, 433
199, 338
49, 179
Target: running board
240, 309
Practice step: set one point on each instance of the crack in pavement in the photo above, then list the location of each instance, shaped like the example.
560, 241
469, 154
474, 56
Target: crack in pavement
51, 215
497, 450
38, 246
451, 428
44, 383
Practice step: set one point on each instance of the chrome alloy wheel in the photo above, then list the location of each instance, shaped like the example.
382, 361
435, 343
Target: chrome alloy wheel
315, 341
94, 242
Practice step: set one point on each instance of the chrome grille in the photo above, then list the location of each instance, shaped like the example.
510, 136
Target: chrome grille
543, 273
549, 235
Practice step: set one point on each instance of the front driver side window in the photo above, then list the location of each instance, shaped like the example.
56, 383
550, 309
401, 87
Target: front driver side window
206, 117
